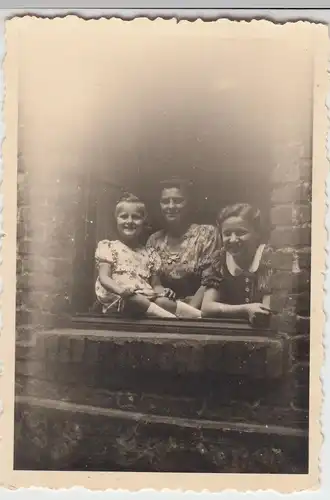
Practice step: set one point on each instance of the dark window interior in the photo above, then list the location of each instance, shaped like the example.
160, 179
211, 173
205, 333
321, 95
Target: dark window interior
211, 190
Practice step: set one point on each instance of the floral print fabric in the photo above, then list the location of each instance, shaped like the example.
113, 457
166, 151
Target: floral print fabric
182, 270
129, 267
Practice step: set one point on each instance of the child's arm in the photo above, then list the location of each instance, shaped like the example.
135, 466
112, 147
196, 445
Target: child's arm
212, 306
109, 284
197, 299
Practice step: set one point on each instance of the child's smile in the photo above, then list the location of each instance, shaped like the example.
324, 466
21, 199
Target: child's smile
238, 237
130, 221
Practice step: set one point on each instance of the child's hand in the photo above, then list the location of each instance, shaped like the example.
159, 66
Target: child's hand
127, 292
168, 293
256, 311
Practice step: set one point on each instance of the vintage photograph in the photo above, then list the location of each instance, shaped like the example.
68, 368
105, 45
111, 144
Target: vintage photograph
168, 185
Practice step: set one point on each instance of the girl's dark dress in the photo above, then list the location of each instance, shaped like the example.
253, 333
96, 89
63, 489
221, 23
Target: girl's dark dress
237, 286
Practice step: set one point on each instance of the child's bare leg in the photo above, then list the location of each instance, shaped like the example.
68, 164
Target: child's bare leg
141, 304
137, 304
179, 308
184, 310
167, 304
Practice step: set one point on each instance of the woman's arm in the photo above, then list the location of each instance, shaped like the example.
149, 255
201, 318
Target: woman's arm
266, 301
156, 284
159, 289
212, 307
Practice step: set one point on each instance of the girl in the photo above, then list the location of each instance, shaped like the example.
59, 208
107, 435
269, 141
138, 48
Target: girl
238, 282
128, 272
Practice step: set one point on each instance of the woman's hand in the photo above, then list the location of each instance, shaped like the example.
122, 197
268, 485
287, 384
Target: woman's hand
126, 292
256, 311
168, 293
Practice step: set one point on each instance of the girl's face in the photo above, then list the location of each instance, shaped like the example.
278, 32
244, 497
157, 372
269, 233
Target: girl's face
130, 220
173, 204
239, 237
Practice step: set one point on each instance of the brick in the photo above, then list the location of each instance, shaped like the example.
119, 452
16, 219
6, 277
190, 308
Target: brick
283, 259
44, 282
77, 349
287, 258
24, 213
297, 303
35, 318
291, 236
304, 257
292, 192
23, 231
300, 398
290, 214
36, 300
51, 346
300, 303
300, 169
300, 382
291, 323
24, 247
24, 316
300, 372
24, 332
300, 348
278, 301
23, 281
40, 264
284, 280
23, 195
19, 266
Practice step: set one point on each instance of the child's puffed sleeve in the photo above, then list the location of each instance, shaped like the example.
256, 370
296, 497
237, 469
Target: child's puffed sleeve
266, 271
213, 275
104, 253
155, 262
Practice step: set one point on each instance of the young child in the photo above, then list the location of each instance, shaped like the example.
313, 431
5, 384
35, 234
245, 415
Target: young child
237, 284
128, 279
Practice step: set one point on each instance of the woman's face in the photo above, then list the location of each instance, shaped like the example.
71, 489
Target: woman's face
238, 236
173, 204
130, 220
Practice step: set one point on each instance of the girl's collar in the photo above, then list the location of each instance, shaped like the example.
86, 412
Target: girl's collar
235, 270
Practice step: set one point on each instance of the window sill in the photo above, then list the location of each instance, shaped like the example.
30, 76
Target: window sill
203, 326
111, 350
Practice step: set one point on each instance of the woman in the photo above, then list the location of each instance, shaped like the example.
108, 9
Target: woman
186, 249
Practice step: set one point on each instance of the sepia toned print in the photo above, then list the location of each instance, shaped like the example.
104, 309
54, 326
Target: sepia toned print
164, 308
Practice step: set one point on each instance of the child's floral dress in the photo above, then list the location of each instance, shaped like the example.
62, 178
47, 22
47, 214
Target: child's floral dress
129, 268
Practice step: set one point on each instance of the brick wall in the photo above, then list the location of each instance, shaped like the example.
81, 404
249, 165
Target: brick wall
49, 211
291, 236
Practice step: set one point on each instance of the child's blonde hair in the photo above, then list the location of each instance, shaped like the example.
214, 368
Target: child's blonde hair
131, 198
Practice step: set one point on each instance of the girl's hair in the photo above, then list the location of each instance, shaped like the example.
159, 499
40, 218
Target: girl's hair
244, 211
175, 182
131, 198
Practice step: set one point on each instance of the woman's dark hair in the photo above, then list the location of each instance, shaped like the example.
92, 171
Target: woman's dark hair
175, 182
244, 211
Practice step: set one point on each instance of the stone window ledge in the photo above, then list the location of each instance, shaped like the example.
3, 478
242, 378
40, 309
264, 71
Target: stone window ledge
186, 347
